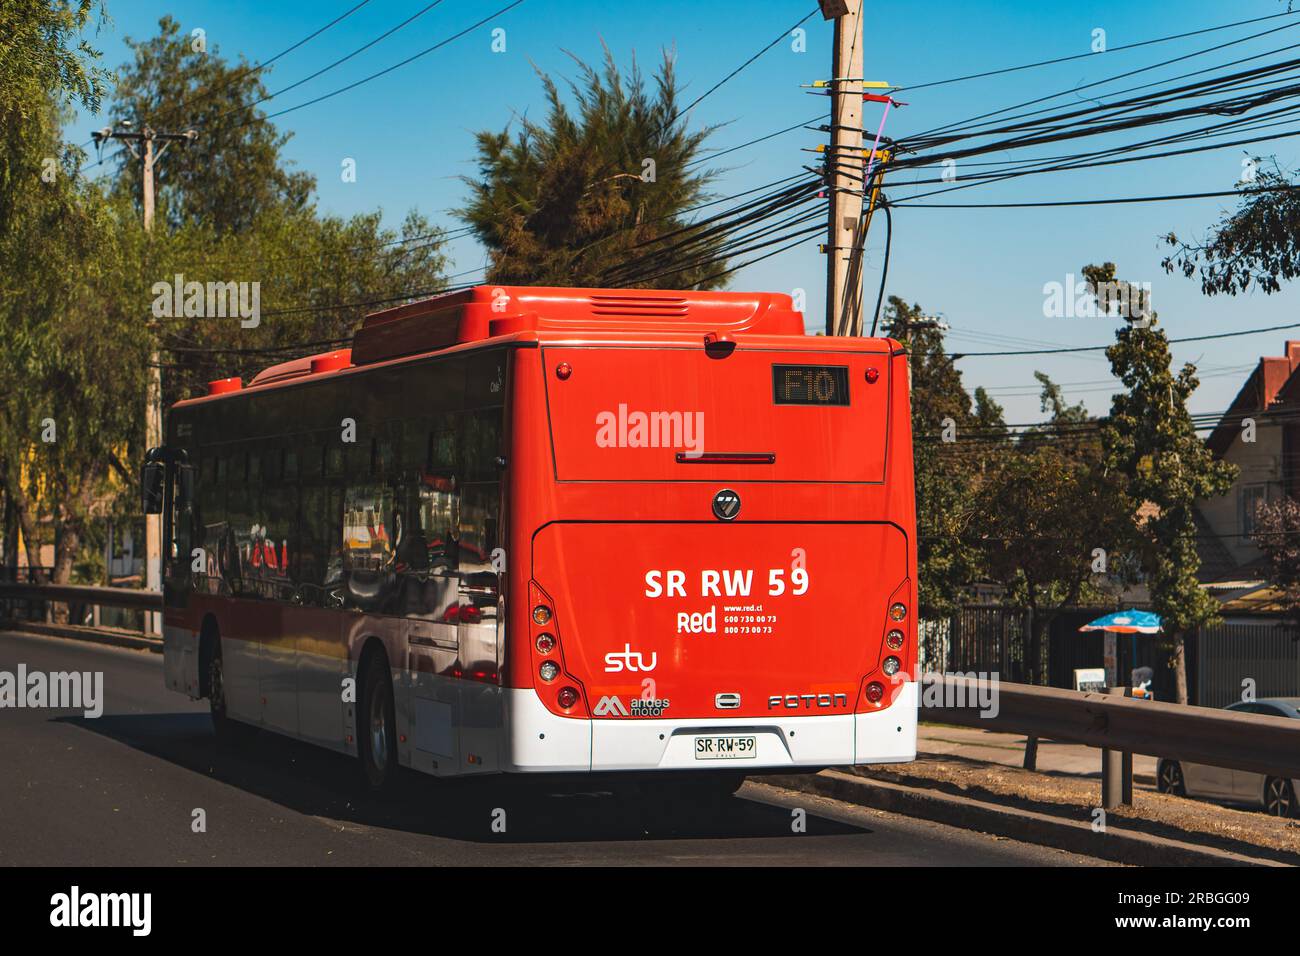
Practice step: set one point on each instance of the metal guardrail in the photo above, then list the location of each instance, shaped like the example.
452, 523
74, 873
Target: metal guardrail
1217, 738
84, 594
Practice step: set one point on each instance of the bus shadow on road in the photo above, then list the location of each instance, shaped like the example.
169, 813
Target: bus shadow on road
490, 809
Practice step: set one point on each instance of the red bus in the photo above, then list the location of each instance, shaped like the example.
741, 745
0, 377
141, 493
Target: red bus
522, 529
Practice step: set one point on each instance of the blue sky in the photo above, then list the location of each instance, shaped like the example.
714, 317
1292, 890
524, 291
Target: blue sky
411, 134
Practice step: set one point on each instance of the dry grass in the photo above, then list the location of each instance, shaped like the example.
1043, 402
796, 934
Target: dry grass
1245, 831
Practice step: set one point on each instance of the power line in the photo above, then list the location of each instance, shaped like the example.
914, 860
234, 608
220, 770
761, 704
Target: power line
341, 60
240, 74
410, 59
260, 66
1101, 348
1094, 202
731, 149
884, 269
695, 102
1080, 56
967, 124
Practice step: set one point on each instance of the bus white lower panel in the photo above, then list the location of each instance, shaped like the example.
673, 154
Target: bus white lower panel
539, 740
889, 735
181, 660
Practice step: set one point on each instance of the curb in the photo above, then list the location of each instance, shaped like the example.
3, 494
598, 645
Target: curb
1076, 836
93, 635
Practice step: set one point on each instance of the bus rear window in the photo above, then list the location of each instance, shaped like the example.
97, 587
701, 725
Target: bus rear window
640, 414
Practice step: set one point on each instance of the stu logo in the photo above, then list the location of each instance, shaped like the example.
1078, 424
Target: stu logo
629, 660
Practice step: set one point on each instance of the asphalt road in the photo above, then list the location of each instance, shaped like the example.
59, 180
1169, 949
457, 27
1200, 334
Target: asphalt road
122, 790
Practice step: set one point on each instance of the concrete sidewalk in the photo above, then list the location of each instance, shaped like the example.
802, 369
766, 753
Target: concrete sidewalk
1009, 750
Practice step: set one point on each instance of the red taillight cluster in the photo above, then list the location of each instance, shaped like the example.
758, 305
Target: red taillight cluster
558, 690
878, 686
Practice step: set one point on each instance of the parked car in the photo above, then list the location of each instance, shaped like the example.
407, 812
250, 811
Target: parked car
1275, 794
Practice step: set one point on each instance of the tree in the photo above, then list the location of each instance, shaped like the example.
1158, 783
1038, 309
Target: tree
44, 69
318, 277
43, 65
1258, 245
231, 209
946, 467
41, 49
1277, 533
569, 200
1045, 509
74, 347
78, 319
236, 172
1151, 445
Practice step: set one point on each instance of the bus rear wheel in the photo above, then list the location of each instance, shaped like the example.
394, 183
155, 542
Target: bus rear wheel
377, 733
227, 729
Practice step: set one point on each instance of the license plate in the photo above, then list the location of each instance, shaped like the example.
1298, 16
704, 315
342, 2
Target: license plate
726, 748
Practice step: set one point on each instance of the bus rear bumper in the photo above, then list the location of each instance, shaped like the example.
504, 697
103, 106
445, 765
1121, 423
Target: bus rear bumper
539, 741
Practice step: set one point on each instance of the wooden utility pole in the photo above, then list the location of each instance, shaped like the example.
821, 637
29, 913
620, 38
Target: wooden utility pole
141, 143
844, 160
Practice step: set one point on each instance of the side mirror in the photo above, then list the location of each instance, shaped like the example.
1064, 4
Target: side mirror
184, 486
151, 487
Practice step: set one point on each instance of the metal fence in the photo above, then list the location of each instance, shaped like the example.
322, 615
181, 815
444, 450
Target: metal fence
993, 638
1260, 650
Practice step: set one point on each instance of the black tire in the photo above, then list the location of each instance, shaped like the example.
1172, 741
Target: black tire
1169, 778
377, 726
1279, 798
227, 729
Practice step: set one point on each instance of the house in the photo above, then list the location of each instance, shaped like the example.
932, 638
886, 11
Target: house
1260, 434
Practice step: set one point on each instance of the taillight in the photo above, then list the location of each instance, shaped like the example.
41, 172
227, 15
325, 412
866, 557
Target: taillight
891, 666
897, 612
875, 692
894, 639
559, 690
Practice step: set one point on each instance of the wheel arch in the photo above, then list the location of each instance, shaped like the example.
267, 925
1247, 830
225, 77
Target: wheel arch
371, 646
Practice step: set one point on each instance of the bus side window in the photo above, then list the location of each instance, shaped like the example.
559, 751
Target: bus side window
277, 555
428, 555
320, 561
242, 503
437, 507
480, 512
369, 530
216, 543
481, 443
